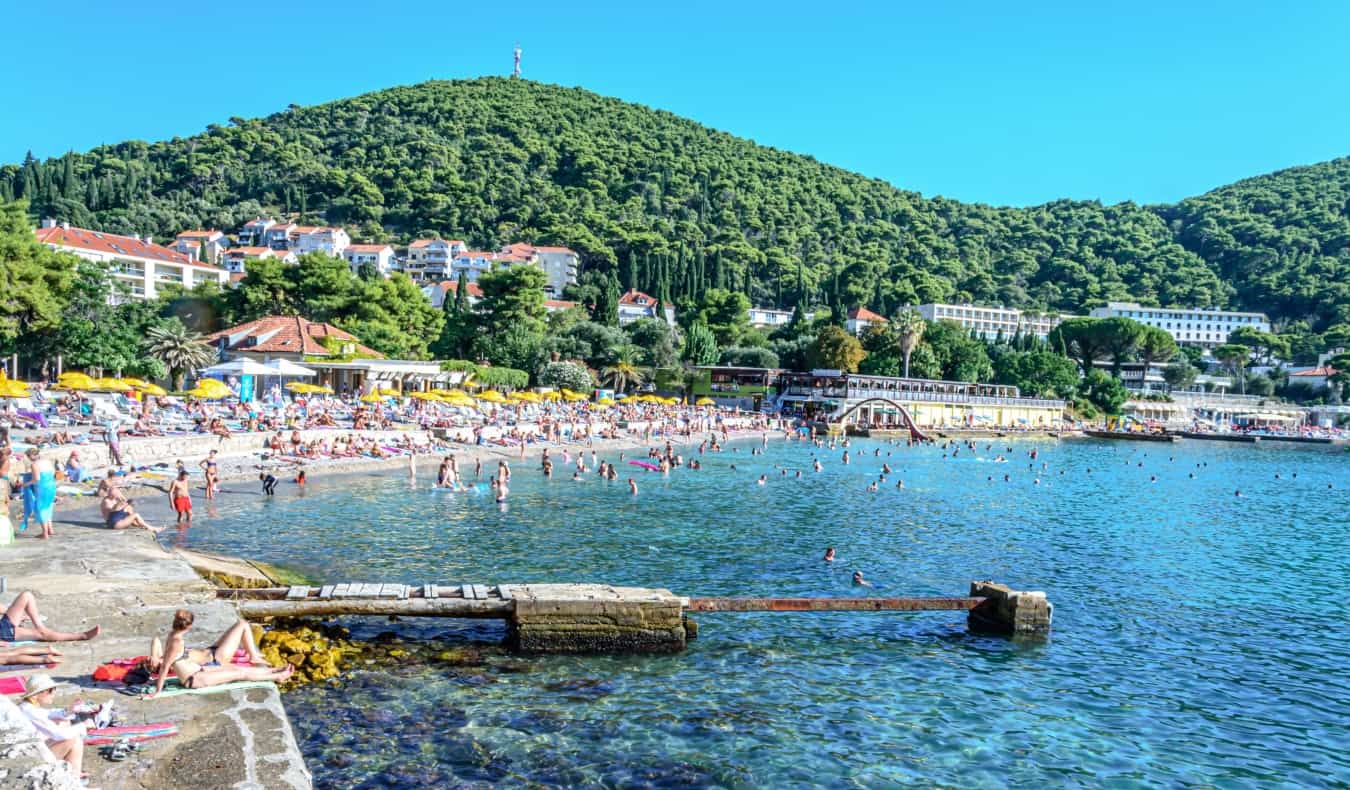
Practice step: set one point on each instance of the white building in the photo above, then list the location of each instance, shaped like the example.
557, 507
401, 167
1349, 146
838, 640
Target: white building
329, 241
254, 232
280, 235
429, 259
988, 322
559, 264
140, 264
437, 293
636, 305
379, 255
770, 318
235, 260
1189, 326
859, 318
207, 245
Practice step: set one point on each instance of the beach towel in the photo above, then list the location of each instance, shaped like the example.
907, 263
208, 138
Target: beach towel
172, 689
13, 685
22, 667
135, 732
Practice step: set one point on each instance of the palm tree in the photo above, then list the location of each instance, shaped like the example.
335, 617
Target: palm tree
179, 349
909, 326
624, 370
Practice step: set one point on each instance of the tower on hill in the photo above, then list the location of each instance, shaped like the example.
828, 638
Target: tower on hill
515, 71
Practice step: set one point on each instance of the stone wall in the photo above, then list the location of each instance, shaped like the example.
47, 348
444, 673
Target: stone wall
595, 618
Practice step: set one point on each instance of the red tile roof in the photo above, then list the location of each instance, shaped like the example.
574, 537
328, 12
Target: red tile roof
636, 298
284, 334
258, 221
523, 248
1322, 371
863, 314
112, 244
452, 286
556, 250
560, 304
249, 252
420, 243
199, 234
368, 248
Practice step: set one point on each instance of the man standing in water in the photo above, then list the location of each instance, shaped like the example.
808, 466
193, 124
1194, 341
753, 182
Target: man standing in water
180, 498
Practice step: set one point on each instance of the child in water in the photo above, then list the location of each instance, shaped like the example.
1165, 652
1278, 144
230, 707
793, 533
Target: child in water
269, 482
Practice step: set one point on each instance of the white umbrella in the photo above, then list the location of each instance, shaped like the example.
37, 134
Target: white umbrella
285, 367
239, 367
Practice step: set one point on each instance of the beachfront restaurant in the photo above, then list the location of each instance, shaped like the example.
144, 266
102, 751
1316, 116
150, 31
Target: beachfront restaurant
735, 387
871, 401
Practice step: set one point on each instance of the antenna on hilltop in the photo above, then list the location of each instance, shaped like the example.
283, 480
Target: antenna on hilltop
515, 72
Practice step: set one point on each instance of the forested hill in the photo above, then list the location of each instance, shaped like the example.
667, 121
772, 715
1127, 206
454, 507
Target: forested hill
675, 208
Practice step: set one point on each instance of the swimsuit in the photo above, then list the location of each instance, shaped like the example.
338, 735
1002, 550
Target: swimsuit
45, 496
182, 504
114, 517
6, 628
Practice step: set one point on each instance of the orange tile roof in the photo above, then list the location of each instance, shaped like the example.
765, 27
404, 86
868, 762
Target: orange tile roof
112, 244
1322, 371
863, 314
199, 234
452, 286
556, 249
248, 252
636, 298
560, 304
285, 334
368, 247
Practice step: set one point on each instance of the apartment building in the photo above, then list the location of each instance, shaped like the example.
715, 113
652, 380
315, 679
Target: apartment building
144, 267
1189, 326
989, 322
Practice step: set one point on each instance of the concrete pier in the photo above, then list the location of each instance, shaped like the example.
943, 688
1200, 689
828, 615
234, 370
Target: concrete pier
601, 618
1009, 612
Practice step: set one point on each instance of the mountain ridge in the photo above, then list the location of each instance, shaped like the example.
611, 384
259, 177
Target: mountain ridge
674, 207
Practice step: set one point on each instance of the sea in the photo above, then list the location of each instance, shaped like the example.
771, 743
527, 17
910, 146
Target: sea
1200, 637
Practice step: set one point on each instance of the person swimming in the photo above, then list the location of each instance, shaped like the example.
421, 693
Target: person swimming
829, 554
859, 581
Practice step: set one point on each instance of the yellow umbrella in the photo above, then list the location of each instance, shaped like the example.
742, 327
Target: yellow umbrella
319, 389
492, 396
135, 383
425, 396
705, 402
458, 393
385, 389
108, 383
299, 386
153, 390
10, 388
75, 380
372, 398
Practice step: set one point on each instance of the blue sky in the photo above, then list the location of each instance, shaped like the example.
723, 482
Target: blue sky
1006, 103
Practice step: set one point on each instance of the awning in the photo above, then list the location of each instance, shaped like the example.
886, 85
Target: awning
285, 367
239, 367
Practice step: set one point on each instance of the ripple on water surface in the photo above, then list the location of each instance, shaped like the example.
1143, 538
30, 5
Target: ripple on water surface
1195, 640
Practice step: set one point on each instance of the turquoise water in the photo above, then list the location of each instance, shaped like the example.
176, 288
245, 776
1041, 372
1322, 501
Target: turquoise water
1199, 637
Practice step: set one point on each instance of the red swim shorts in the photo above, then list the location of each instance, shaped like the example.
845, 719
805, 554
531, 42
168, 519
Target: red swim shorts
182, 505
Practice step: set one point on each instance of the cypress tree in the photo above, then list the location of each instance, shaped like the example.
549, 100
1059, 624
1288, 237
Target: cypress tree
462, 294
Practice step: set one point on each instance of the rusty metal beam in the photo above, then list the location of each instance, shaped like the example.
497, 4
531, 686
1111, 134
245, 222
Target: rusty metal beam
831, 604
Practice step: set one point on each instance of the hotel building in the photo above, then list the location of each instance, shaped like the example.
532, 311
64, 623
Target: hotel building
138, 263
1189, 326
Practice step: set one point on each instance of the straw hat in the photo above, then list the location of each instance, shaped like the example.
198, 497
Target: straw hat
39, 683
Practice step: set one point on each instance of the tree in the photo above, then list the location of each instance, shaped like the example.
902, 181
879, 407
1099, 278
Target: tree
749, 357
957, 356
1154, 345
909, 329
881, 344
1080, 338
1039, 374
180, 350
33, 278
700, 347
1235, 356
1103, 391
566, 375
835, 349
93, 333
513, 296
655, 340
1120, 339
1180, 375
726, 313
623, 371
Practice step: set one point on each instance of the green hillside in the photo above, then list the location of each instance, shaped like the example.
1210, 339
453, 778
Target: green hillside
675, 208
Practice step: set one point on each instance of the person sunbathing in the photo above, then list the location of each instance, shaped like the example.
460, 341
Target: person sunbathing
24, 609
199, 668
30, 655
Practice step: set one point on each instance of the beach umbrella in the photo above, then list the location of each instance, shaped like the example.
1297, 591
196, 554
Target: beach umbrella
372, 398
11, 388
298, 386
492, 396
239, 367
153, 390
210, 389
705, 402
385, 389
319, 389
74, 380
285, 367
135, 383
109, 383
458, 393
425, 396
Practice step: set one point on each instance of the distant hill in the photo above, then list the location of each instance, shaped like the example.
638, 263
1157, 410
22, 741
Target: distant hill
676, 208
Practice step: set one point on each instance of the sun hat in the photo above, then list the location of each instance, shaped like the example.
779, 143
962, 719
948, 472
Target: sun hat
39, 683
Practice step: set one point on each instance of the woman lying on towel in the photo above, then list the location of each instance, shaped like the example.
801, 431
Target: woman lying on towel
198, 668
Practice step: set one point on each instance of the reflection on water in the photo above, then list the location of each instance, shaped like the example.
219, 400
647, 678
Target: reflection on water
1194, 638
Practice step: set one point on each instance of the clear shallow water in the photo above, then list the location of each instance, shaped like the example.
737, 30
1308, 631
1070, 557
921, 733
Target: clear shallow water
1199, 638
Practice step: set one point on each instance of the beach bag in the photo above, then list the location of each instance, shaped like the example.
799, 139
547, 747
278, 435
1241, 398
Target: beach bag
111, 673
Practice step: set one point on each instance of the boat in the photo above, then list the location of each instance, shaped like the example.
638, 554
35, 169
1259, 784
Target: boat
1131, 436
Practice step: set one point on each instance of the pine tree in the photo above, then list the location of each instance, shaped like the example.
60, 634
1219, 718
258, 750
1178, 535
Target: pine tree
462, 294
